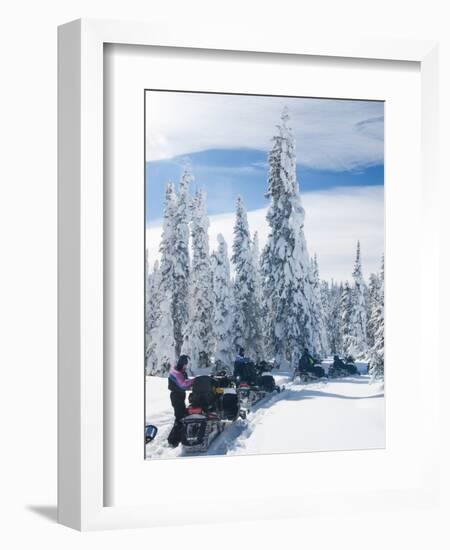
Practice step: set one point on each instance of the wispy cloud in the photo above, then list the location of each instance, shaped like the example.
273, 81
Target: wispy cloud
331, 134
335, 220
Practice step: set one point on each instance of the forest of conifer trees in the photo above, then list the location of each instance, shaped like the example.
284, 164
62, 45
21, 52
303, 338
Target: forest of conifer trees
207, 299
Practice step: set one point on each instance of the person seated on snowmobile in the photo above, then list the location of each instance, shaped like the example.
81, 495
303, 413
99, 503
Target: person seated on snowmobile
178, 383
307, 362
338, 363
348, 367
220, 369
239, 363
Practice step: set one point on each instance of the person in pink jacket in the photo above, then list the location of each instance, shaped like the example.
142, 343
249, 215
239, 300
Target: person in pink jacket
178, 383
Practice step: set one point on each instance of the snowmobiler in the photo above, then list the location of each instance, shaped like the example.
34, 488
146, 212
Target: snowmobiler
240, 364
255, 381
178, 383
339, 368
266, 380
214, 402
308, 369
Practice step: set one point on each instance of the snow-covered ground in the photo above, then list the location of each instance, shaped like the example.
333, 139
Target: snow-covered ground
339, 414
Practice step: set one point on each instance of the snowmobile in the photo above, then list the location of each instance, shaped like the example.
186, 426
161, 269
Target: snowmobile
256, 382
315, 373
347, 369
214, 403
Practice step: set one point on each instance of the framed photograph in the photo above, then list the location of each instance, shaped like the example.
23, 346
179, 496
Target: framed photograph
251, 322
244, 229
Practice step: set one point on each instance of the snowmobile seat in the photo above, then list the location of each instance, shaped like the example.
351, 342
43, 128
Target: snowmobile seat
267, 382
203, 392
351, 369
318, 371
230, 405
248, 374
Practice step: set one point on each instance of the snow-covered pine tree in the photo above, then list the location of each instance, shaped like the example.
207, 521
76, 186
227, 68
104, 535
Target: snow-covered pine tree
285, 262
372, 303
319, 333
376, 353
326, 307
257, 265
334, 321
160, 353
198, 336
346, 307
247, 326
159, 343
260, 339
148, 282
359, 314
180, 305
223, 304
152, 313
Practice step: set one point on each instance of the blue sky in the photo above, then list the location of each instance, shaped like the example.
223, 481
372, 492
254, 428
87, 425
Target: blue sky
226, 173
226, 139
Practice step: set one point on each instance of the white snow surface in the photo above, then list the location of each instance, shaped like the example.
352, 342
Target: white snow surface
342, 414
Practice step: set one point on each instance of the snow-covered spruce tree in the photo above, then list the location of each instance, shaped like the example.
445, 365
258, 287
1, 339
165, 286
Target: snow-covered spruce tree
260, 342
148, 282
182, 215
334, 320
161, 344
359, 314
166, 247
198, 336
285, 262
372, 303
326, 307
247, 326
319, 332
376, 353
346, 307
257, 265
223, 304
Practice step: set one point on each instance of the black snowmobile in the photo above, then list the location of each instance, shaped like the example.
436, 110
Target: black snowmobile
214, 403
339, 369
256, 382
309, 373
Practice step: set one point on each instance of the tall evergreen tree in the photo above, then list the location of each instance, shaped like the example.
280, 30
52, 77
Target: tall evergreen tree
257, 265
325, 300
247, 315
223, 304
160, 352
160, 343
334, 320
319, 332
180, 305
260, 337
198, 341
372, 304
359, 314
376, 353
166, 247
346, 307
285, 257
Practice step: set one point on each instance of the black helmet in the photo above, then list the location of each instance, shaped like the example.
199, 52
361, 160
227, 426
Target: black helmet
182, 361
241, 351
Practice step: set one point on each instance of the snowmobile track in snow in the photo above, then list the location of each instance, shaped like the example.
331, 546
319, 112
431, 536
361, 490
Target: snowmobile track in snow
254, 434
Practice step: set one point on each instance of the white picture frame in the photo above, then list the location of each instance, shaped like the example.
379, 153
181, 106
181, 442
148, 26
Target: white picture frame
82, 394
